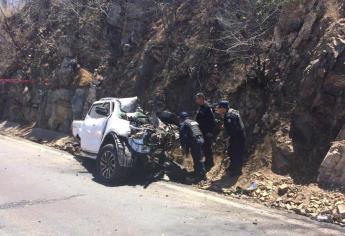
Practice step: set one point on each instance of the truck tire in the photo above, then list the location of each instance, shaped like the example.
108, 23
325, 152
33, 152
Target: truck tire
108, 169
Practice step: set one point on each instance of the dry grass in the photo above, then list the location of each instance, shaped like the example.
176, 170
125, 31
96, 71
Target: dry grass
332, 11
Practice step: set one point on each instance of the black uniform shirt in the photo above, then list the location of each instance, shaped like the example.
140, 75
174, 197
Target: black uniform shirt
189, 133
206, 119
234, 126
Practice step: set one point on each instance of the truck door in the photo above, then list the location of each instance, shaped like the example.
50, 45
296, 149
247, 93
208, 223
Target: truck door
93, 128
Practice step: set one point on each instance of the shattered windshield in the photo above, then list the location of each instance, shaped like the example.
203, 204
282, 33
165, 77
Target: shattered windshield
128, 105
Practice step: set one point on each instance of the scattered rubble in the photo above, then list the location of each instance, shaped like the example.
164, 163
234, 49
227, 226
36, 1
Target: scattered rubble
282, 192
283, 189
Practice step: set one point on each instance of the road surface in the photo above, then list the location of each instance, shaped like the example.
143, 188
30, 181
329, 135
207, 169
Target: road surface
47, 192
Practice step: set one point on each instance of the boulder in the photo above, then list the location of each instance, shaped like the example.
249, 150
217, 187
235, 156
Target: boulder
282, 153
332, 169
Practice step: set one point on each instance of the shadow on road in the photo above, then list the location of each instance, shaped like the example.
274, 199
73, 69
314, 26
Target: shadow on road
88, 164
138, 176
225, 182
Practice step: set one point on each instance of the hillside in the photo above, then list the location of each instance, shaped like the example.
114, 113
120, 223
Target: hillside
281, 63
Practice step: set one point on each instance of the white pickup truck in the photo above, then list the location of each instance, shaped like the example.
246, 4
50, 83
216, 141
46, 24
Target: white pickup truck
103, 134
109, 134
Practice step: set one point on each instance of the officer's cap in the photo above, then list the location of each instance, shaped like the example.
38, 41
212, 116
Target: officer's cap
200, 95
223, 104
184, 115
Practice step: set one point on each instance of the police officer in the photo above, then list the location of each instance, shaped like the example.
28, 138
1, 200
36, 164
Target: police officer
207, 123
236, 144
191, 139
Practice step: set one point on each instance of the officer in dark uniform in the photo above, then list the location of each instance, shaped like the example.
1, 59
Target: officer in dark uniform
191, 139
236, 144
207, 124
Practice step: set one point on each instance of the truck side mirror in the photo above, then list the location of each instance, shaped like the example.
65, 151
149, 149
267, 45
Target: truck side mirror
102, 111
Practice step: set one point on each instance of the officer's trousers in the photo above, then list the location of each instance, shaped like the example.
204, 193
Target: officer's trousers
198, 160
236, 153
207, 149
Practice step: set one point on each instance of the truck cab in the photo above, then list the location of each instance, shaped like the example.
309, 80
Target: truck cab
106, 116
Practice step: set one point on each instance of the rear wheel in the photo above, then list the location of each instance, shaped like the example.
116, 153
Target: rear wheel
108, 169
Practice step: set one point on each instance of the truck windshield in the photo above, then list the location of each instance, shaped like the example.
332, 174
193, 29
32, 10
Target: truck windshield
128, 105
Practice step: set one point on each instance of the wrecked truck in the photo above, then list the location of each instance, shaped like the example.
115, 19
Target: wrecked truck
121, 138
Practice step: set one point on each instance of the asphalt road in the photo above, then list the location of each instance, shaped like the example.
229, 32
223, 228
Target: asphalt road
48, 192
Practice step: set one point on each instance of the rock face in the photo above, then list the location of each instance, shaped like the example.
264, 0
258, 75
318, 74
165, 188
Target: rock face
321, 114
309, 57
291, 96
332, 170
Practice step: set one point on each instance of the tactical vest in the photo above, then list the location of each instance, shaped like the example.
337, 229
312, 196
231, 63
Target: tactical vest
194, 128
234, 125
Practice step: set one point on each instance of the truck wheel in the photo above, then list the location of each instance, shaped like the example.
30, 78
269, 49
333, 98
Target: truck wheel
108, 169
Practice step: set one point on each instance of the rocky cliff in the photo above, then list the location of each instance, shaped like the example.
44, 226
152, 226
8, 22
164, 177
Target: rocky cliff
285, 74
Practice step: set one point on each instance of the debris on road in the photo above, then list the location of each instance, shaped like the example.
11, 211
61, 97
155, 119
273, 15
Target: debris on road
324, 218
282, 192
253, 186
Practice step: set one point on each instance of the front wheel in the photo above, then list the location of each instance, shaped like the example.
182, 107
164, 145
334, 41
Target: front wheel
108, 169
